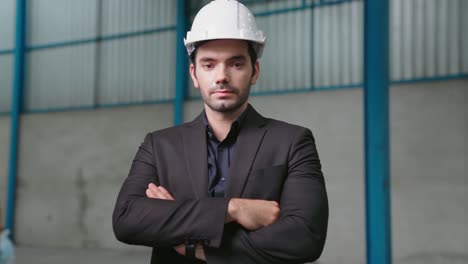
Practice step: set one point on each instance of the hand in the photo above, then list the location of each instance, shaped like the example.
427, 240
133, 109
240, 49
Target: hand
159, 192
199, 251
253, 214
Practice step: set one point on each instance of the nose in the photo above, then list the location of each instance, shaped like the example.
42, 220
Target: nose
222, 76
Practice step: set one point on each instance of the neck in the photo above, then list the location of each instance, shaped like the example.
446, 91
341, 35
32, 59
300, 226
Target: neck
221, 122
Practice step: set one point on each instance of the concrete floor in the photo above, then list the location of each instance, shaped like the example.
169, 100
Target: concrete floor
26, 255
74, 256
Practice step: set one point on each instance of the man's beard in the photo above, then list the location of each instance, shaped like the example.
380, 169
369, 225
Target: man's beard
227, 107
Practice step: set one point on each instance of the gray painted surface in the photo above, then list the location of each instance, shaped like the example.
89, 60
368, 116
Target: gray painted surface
71, 169
6, 82
429, 170
27, 255
4, 153
336, 120
73, 164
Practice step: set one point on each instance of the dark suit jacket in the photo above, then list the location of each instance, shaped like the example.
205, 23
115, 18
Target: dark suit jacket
273, 161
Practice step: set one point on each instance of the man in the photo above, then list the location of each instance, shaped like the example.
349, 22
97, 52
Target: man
7, 249
231, 186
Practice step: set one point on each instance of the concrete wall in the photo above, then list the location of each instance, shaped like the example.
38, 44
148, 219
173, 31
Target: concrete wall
430, 172
73, 164
71, 169
4, 158
429, 151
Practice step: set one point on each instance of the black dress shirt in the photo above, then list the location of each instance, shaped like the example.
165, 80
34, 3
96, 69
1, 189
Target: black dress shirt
220, 154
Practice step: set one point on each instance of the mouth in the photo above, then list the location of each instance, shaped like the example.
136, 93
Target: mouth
224, 92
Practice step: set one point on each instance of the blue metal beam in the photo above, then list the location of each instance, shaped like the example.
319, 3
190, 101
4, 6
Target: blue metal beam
181, 76
101, 38
18, 88
5, 52
376, 100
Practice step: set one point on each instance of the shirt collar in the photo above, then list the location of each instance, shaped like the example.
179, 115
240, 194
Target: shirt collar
235, 127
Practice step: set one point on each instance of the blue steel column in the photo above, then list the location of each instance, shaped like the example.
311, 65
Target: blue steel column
376, 97
18, 88
181, 76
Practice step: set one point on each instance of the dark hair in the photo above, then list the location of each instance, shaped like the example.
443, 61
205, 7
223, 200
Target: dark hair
250, 51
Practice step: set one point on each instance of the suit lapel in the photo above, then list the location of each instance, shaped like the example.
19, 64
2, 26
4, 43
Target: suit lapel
195, 151
247, 145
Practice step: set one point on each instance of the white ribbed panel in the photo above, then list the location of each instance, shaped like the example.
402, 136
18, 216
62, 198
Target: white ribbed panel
464, 35
138, 69
126, 70
428, 38
317, 47
120, 16
52, 21
313, 47
7, 24
60, 77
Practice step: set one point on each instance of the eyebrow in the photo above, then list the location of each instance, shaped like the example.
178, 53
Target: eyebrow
236, 57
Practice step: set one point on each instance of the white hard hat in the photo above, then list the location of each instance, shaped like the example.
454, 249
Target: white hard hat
225, 19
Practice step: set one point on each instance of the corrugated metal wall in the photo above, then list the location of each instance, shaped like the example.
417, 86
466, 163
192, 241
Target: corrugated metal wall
428, 38
91, 53
310, 45
109, 52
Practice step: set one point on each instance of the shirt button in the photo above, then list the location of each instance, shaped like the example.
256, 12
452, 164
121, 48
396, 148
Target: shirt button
223, 179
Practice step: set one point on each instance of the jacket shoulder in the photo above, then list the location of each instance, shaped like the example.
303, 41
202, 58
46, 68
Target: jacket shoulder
282, 126
172, 132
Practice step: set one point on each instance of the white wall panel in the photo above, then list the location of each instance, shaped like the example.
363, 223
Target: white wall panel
454, 36
311, 47
120, 16
427, 38
419, 44
137, 69
406, 64
464, 35
60, 77
126, 70
7, 24
61, 20
430, 38
357, 41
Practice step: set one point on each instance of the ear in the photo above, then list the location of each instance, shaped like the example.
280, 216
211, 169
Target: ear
193, 76
256, 73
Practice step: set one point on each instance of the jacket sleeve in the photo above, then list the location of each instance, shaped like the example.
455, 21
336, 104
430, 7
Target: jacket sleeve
299, 234
153, 222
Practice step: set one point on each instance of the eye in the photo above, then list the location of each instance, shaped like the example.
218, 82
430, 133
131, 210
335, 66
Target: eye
237, 64
207, 66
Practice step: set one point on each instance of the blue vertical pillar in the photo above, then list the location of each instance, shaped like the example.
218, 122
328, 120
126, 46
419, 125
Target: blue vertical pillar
181, 76
18, 88
376, 99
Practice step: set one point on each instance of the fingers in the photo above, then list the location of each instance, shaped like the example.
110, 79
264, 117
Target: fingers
180, 249
165, 193
200, 252
151, 194
253, 214
158, 192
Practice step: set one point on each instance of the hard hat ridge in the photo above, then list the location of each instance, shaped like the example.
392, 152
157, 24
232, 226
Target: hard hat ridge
225, 19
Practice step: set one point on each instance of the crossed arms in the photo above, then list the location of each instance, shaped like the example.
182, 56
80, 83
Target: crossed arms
251, 214
256, 231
